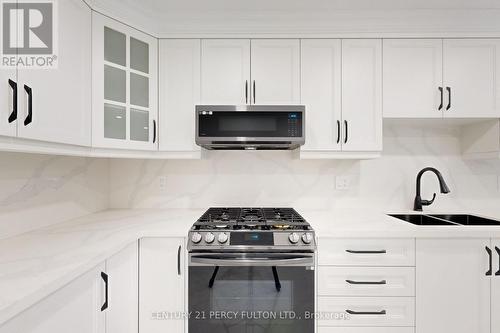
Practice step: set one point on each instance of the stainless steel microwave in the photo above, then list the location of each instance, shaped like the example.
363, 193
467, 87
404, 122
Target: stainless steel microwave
250, 126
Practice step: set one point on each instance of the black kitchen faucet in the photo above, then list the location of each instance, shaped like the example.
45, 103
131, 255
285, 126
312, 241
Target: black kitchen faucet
442, 184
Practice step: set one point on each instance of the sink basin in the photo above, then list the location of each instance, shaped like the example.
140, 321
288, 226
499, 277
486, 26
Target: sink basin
446, 219
420, 219
465, 219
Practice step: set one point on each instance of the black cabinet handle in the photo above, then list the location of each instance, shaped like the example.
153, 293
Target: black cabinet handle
104, 277
338, 131
488, 250
154, 131
179, 260
367, 282
441, 90
29, 117
377, 313
366, 252
246, 91
449, 98
346, 131
13, 115
498, 252
254, 92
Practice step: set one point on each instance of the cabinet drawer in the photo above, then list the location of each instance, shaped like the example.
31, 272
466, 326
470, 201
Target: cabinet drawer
366, 281
366, 311
366, 252
366, 329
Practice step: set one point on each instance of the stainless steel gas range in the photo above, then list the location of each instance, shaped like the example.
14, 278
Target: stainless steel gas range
251, 270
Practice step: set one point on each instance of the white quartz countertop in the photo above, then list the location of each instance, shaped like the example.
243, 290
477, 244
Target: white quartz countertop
37, 263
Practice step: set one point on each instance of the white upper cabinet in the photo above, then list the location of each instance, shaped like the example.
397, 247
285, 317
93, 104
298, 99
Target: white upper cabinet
275, 71
361, 95
8, 105
471, 72
179, 93
413, 76
225, 71
124, 86
321, 92
452, 286
54, 104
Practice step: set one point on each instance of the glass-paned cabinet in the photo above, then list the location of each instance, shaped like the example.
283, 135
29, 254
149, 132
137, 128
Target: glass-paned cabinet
124, 81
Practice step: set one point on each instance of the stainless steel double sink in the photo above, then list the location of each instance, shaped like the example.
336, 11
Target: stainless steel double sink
446, 219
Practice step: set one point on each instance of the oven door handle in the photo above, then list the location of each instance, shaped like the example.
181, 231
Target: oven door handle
206, 260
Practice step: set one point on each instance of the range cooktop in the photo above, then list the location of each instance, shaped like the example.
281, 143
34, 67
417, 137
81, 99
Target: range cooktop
250, 228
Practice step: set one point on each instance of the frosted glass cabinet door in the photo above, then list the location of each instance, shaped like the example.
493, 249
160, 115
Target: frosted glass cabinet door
124, 78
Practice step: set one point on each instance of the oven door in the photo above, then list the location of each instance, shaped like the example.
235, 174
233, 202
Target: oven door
251, 292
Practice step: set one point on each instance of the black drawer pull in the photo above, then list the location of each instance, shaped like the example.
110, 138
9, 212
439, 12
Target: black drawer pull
371, 313
13, 115
366, 252
366, 282
490, 271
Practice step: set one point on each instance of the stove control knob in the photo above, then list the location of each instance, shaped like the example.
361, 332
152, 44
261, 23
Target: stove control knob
294, 238
307, 238
222, 238
196, 238
209, 238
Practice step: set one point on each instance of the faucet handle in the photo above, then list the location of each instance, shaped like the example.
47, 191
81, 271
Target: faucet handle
429, 202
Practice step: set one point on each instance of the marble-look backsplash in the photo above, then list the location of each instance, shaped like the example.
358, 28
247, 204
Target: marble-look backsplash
277, 178
39, 190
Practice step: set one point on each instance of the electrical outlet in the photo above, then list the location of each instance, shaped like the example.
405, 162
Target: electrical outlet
342, 183
162, 183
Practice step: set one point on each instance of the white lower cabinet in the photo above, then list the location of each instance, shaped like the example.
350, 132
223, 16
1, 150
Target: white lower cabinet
367, 252
366, 281
103, 300
452, 286
74, 308
367, 311
161, 285
122, 273
366, 285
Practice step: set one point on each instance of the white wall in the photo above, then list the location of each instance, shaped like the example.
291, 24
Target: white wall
38, 190
275, 178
